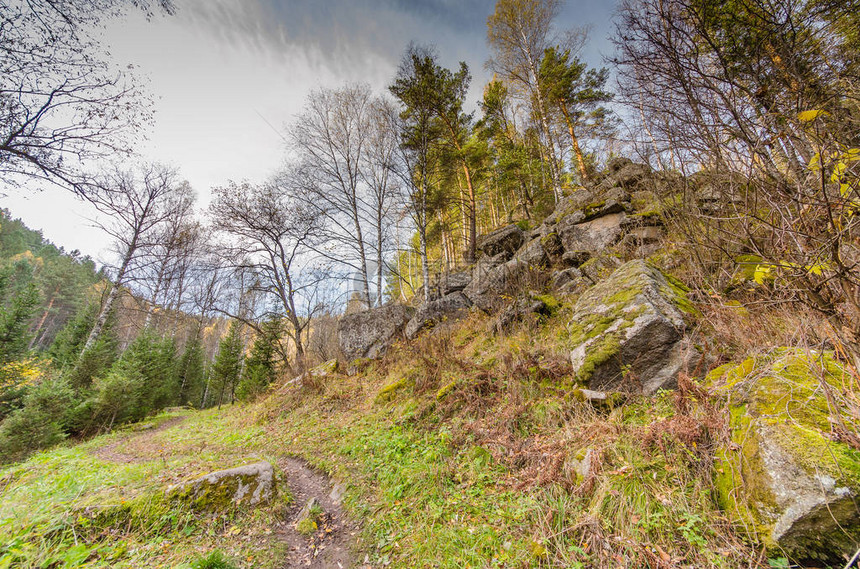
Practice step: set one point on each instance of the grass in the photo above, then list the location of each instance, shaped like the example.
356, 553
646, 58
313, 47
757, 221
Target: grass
484, 475
74, 507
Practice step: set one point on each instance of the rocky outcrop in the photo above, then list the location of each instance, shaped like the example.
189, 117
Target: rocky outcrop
504, 240
367, 334
247, 485
431, 313
787, 477
485, 288
591, 236
627, 331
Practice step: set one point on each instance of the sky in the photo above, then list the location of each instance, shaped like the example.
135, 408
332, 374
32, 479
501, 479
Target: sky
227, 76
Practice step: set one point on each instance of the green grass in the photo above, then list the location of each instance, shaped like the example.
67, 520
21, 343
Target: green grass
480, 477
69, 507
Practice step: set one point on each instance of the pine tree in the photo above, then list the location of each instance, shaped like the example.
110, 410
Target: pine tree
228, 364
261, 367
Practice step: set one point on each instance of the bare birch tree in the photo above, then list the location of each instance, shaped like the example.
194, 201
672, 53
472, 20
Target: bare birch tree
137, 202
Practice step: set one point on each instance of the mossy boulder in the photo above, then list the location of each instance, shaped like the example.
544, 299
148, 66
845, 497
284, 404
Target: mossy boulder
786, 477
246, 485
627, 331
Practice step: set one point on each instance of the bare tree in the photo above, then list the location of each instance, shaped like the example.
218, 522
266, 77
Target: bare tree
268, 243
61, 104
137, 201
331, 139
171, 255
378, 173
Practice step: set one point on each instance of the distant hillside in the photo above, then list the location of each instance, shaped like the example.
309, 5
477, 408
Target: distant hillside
65, 280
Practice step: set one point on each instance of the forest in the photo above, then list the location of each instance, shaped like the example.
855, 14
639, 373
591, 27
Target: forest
745, 114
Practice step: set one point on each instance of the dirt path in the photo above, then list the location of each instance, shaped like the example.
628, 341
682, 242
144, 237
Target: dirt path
329, 547
112, 454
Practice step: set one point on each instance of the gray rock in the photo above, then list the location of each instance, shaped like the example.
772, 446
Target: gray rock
504, 240
517, 311
454, 282
448, 307
627, 331
575, 258
624, 173
250, 484
594, 235
367, 334
565, 276
644, 235
552, 246
484, 291
533, 253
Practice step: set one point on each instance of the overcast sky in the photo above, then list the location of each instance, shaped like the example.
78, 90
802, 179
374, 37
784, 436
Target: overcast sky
226, 77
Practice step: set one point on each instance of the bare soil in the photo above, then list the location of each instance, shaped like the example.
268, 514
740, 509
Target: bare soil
331, 546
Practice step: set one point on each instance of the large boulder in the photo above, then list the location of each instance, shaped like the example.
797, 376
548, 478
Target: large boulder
367, 334
627, 331
503, 240
787, 476
533, 253
454, 282
247, 485
485, 288
431, 313
594, 235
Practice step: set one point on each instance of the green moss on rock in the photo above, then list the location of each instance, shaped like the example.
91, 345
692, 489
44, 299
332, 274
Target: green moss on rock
785, 469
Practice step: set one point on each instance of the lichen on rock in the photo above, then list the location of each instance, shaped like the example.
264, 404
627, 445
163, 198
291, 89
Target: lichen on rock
249, 484
626, 332
785, 478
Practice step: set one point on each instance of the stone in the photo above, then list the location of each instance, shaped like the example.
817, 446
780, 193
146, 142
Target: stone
429, 314
570, 280
454, 282
368, 334
594, 235
587, 204
306, 521
786, 475
575, 258
484, 292
552, 246
533, 253
644, 235
517, 311
503, 240
628, 329
626, 174
247, 485
322, 370
338, 491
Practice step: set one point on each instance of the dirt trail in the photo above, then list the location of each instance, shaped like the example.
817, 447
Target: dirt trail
330, 546
128, 442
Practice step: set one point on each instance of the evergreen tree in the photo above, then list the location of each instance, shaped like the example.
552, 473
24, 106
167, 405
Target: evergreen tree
261, 367
191, 373
228, 365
